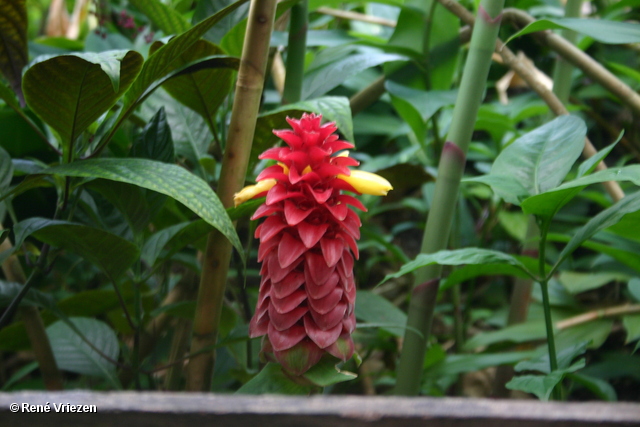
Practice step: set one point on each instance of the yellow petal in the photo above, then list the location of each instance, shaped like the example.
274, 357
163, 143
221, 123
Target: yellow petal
367, 183
251, 191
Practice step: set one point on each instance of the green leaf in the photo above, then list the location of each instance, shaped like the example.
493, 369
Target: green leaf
542, 364
600, 387
74, 355
522, 332
94, 302
576, 282
595, 333
70, 92
155, 142
13, 49
547, 204
602, 30
590, 164
205, 90
373, 308
161, 62
634, 288
177, 236
540, 159
113, 254
162, 16
35, 298
458, 257
19, 374
6, 170
543, 385
604, 219
128, 199
455, 364
321, 80
464, 273
9, 97
631, 324
271, 380
326, 373
171, 180
206, 8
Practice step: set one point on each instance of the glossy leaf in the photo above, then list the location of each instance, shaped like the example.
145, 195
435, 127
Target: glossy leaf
161, 62
576, 282
113, 254
631, 324
604, 219
326, 373
129, 199
321, 80
602, 30
13, 49
372, 308
70, 92
550, 202
540, 159
162, 16
206, 8
171, 180
74, 355
590, 164
458, 257
203, 91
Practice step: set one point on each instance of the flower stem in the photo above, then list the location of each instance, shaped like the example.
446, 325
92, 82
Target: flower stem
296, 52
450, 171
215, 263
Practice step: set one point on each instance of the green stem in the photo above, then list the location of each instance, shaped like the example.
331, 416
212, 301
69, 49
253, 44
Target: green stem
296, 52
450, 171
562, 73
215, 263
544, 286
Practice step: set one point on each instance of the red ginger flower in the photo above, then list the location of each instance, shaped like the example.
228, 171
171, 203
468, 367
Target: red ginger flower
307, 243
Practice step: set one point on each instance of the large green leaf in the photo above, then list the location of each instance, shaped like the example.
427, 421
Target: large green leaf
13, 42
162, 16
73, 354
321, 80
177, 236
129, 199
113, 254
539, 160
161, 62
604, 219
602, 30
70, 92
550, 202
206, 8
576, 282
171, 180
459, 257
326, 373
374, 309
522, 332
203, 91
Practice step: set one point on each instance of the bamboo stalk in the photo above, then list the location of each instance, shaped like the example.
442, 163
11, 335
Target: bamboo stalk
450, 169
216, 259
562, 73
296, 52
34, 325
580, 59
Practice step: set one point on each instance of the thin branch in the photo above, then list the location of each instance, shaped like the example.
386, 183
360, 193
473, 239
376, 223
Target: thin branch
355, 16
602, 313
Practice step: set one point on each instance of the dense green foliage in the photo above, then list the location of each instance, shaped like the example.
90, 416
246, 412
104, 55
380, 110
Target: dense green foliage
111, 144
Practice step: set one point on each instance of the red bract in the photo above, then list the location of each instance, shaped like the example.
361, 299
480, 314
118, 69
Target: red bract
307, 247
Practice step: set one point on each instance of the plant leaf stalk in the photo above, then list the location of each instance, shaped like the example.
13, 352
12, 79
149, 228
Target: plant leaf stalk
215, 263
296, 52
450, 169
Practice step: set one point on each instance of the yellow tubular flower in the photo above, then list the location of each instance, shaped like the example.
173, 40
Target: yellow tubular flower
251, 191
367, 183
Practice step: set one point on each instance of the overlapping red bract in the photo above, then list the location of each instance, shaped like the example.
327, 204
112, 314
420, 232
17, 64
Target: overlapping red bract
307, 248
